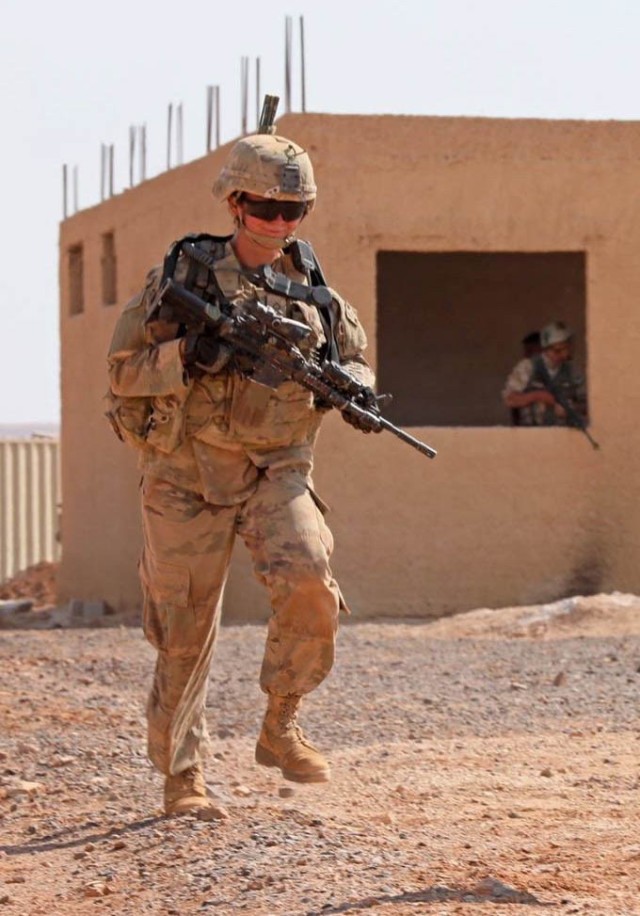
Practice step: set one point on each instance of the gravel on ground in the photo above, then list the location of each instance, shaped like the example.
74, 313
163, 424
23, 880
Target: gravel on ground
483, 763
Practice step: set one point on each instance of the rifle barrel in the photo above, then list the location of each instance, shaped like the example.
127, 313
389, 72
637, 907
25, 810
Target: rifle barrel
422, 447
579, 421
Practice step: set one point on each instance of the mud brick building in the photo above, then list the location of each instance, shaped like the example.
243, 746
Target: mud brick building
454, 237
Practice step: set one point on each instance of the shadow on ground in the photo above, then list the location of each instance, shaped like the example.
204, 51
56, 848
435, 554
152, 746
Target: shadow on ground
55, 841
487, 891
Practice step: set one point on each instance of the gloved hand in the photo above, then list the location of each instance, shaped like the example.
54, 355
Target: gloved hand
367, 399
364, 422
358, 423
202, 352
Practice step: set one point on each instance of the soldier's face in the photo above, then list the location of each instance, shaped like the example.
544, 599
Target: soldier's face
558, 353
265, 216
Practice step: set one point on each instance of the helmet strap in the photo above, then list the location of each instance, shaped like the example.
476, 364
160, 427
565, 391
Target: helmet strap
269, 241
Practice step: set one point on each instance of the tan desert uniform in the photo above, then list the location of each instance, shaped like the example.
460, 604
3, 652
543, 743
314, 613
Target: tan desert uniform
222, 455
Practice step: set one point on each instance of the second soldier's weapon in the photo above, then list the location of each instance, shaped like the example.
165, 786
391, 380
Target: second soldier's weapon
574, 418
272, 341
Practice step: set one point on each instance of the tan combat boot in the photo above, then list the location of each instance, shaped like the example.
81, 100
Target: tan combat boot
186, 793
282, 744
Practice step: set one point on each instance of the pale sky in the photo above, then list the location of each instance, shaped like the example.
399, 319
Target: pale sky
76, 74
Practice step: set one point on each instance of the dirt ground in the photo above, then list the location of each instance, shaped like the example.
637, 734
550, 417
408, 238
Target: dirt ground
484, 763
37, 583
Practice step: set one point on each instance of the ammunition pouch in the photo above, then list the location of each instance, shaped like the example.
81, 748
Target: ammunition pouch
129, 418
147, 423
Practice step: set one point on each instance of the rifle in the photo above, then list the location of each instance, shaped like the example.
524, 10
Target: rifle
574, 418
272, 342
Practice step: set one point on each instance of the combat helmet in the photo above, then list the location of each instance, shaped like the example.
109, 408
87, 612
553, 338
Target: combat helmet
270, 166
555, 333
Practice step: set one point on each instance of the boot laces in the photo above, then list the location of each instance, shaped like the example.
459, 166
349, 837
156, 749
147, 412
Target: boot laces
188, 778
191, 774
288, 719
288, 715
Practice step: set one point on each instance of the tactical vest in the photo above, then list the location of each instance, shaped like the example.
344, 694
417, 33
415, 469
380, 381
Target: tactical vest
564, 381
228, 407
200, 278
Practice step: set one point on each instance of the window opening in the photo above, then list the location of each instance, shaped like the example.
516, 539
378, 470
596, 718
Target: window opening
450, 328
76, 280
109, 274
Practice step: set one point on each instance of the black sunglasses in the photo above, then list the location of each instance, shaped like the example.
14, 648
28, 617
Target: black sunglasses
268, 209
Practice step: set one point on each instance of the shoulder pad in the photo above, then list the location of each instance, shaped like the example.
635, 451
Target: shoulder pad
199, 237
214, 244
151, 284
305, 260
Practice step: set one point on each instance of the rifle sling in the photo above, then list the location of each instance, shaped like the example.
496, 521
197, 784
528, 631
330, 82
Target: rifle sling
305, 260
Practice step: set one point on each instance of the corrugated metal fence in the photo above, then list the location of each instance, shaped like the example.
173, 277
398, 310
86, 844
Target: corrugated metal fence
30, 497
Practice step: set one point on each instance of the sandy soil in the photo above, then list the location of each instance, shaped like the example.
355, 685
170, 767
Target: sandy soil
484, 763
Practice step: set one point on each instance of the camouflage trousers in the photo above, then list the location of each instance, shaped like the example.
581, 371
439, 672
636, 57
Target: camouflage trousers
183, 569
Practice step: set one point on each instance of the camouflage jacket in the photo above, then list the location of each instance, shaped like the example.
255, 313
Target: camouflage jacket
214, 433
529, 375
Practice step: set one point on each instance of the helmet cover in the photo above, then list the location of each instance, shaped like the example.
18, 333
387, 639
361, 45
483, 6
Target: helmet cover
269, 166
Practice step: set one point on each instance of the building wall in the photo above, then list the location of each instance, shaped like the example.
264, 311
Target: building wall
502, 515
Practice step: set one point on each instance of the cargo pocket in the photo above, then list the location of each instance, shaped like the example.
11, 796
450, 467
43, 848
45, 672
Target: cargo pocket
166, 424
129, 418
208, 409
327, 539
275, 417
324, 533
168, 616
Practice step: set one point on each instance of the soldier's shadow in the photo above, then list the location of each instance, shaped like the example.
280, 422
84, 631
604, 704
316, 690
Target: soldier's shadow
501, 893
55, 841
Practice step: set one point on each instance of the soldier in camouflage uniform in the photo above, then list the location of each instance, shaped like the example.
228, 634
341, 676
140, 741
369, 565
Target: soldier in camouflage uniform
527, 388
220, 456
